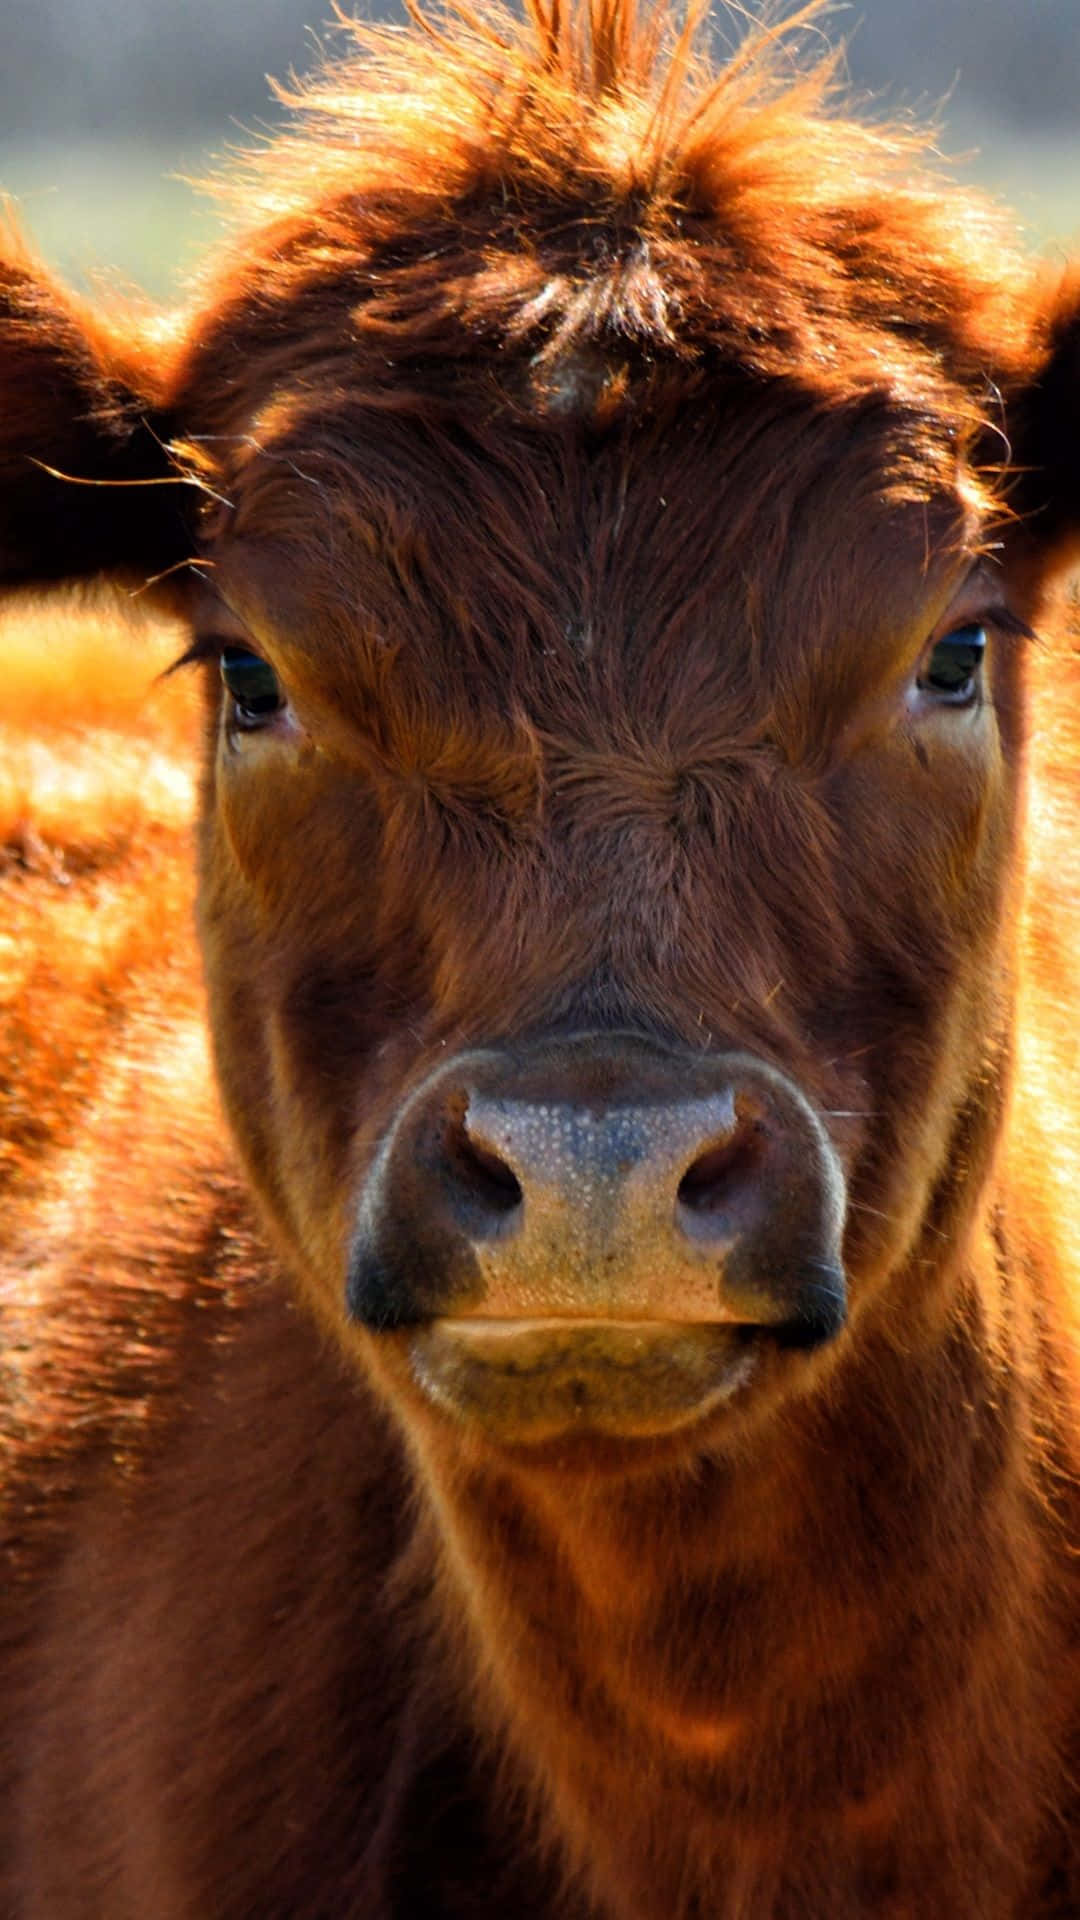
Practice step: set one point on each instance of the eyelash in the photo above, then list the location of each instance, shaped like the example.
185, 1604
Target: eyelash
211, 649
968, 638
205, 650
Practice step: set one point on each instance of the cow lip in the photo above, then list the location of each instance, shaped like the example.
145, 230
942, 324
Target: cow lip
529, 1381
535, 1342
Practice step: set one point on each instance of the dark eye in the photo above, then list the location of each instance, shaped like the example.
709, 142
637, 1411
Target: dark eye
952, 666
253, 685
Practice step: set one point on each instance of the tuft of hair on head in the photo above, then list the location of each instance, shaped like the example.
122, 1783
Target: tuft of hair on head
473, 94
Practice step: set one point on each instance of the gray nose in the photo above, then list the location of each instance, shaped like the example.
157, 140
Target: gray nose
604, 1178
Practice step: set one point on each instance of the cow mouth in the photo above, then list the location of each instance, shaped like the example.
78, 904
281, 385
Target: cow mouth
530, 1382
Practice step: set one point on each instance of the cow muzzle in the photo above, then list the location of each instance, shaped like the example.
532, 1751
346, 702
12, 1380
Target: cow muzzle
598, 1232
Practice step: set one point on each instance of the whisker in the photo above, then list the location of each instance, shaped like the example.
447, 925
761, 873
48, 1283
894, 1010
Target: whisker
148, 480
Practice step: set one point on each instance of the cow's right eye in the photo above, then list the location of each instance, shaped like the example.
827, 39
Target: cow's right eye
253, 685
952, 669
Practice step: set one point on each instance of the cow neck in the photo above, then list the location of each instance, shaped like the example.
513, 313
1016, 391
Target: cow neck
708, 1672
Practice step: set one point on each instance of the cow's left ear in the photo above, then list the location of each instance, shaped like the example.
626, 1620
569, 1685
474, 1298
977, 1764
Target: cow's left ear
76, 401
1043, 421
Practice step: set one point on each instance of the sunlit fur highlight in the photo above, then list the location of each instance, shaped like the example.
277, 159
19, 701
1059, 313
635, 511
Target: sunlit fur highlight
582, 431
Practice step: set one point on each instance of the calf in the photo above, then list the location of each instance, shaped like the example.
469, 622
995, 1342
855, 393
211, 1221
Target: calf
623, 1464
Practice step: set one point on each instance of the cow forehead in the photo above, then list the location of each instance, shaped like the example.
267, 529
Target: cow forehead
361, 528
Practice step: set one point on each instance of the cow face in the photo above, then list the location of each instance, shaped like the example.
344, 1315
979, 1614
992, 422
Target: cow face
604, 889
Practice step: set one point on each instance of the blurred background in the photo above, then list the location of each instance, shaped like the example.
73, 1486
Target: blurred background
108, 107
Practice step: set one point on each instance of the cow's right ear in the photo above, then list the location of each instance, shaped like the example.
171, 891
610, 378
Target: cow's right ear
1043, 426
87, 485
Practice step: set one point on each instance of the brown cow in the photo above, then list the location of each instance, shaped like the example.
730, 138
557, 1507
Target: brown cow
611, 505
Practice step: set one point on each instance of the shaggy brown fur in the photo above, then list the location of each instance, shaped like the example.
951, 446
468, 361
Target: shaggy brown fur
595, 445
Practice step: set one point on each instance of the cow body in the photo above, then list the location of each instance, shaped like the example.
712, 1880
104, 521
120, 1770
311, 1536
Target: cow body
609, 1446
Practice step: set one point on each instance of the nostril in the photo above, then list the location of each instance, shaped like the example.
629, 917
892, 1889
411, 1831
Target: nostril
480, 1174
712, 1180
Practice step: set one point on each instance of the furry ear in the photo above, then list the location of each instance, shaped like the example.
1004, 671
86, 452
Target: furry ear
1044, 429
73, 403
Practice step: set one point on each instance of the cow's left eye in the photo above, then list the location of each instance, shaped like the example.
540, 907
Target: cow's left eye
253, 685
952, 665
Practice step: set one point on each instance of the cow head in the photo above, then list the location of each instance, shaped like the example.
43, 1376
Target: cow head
611, 521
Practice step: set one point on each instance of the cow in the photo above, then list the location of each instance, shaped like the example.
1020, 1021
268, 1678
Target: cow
592, 1431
